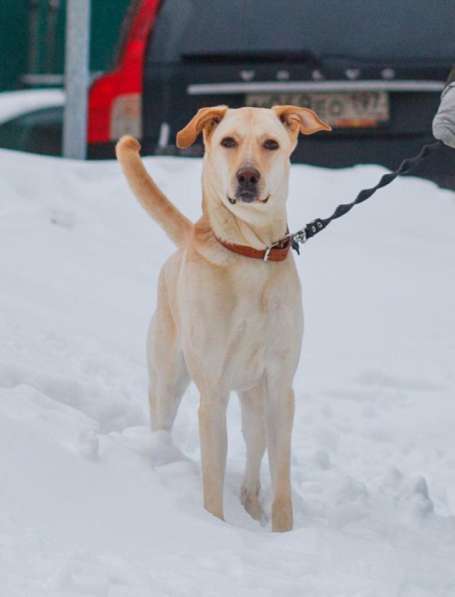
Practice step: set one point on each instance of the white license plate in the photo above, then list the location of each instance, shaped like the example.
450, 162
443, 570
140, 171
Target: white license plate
359, 109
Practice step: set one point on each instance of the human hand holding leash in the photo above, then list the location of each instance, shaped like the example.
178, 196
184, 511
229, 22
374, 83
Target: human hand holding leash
444, 120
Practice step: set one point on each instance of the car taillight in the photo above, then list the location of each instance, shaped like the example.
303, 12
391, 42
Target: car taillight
115, 99
126, 116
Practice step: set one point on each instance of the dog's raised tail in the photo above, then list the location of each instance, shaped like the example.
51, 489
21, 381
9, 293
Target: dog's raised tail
173, 222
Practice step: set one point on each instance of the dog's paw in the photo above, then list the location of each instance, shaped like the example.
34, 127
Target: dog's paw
156, 446
282, 517
163, 450
251, 503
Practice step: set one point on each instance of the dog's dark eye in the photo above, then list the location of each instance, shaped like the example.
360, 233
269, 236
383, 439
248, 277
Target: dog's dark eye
271, 144
229, 142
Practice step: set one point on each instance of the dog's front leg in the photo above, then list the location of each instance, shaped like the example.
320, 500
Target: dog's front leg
213, 436
279, 420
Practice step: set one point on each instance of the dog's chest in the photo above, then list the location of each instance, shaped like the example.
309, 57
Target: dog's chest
240, 320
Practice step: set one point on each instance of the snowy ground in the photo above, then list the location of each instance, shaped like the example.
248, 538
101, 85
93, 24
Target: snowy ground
92, 504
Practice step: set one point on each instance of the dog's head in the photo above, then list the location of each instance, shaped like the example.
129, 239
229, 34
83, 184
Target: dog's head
247, 151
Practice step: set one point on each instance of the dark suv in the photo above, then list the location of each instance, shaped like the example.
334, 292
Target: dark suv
374, 70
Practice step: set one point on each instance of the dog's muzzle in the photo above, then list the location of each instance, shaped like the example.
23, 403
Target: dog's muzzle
248, 186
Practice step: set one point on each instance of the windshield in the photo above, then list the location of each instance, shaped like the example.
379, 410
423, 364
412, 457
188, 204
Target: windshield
408, 30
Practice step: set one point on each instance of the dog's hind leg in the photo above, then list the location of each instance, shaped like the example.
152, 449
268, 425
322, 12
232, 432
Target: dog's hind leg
167, 369
166, 389
253, 428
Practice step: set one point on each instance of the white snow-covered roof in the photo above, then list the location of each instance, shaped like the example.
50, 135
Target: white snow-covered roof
15, 103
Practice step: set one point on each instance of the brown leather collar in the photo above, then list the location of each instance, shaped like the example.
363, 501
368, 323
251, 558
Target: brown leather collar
278, 252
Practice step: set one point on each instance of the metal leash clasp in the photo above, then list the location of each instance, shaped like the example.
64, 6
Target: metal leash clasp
300, 237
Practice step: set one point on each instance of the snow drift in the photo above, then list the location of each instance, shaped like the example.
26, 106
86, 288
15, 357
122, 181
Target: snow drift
91, 503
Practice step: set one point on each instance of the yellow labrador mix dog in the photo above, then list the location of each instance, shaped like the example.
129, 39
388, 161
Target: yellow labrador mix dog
229, 312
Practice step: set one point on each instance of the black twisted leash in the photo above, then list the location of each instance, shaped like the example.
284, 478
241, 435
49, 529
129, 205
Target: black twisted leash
316, 226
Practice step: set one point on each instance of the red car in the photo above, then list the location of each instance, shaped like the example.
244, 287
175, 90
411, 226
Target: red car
115, 100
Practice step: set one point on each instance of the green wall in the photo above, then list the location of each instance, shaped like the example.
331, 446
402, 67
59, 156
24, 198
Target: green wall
13, 41
107, 16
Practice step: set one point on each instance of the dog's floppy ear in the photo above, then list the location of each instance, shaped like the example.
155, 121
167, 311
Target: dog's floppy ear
204, 120
302, 120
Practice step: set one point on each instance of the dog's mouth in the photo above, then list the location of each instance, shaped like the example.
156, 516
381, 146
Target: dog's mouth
247, 197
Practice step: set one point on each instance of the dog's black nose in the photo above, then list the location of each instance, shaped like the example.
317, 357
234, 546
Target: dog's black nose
248, 177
